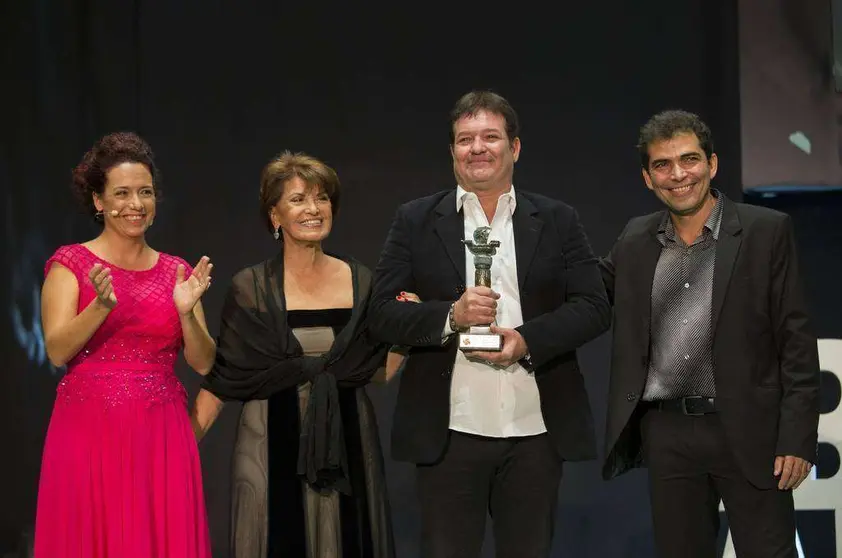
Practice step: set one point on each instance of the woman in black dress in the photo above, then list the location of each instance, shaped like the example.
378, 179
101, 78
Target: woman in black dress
294, 345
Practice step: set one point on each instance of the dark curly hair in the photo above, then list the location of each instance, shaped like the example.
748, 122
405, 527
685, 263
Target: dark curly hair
89, 176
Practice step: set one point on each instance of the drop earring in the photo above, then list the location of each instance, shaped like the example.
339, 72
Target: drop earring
276, 234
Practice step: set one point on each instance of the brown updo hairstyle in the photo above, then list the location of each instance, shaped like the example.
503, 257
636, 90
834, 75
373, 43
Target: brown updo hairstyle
288, 165
89, 176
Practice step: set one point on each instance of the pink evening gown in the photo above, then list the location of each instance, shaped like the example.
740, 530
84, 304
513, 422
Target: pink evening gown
120, 475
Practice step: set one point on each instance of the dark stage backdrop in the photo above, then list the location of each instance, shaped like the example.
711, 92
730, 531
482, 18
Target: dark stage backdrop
218, 90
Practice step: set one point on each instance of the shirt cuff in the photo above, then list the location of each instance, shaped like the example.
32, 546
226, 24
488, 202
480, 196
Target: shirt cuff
447, 331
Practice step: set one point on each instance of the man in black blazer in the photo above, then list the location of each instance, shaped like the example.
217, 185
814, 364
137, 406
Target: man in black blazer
714, 372
489, 431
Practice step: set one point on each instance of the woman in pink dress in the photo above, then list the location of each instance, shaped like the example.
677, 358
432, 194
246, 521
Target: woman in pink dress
120, 476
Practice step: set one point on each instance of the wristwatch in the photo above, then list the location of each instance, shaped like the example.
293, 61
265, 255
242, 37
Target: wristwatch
451, 320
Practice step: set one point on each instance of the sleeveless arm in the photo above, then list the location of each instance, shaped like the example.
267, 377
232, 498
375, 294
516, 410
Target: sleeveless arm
66, 330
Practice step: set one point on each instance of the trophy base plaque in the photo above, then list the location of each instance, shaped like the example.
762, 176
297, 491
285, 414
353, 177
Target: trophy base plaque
480, 339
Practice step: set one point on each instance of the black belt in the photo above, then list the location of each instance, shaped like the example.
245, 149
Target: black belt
693, 405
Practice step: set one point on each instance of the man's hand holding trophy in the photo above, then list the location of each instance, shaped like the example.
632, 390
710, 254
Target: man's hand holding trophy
477, 308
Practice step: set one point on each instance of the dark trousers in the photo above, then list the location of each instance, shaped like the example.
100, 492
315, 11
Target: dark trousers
690, 469
514, 479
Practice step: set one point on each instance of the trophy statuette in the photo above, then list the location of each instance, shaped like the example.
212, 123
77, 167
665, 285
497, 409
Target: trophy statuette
479, 337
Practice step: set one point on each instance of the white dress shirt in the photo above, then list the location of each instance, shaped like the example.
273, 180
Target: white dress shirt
484, 400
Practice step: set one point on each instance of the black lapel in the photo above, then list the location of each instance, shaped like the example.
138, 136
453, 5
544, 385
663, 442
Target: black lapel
727, 248
527, 231
645, 252
450, 228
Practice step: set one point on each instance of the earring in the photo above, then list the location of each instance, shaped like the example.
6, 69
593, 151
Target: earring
276, 234
99, 216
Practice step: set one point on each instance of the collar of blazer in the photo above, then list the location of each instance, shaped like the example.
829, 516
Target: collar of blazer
527, 225
730, 219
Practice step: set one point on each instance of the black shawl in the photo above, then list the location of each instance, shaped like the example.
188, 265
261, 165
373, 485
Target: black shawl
258, 355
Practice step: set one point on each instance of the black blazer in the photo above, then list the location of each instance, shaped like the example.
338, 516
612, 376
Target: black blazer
562, 297
765, 357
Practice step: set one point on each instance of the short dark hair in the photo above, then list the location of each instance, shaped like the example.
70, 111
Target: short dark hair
288, 165
669, 123
475, 101
90, 175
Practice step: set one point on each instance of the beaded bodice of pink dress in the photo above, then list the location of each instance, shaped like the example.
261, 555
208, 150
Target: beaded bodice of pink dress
132, 355
120, 473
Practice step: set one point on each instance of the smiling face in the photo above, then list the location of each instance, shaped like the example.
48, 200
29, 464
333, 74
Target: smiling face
130, 192
679, 173
483, 155
303, 213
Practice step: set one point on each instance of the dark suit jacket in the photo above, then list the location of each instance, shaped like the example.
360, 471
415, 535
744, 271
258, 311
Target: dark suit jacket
562, 298
765, 358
